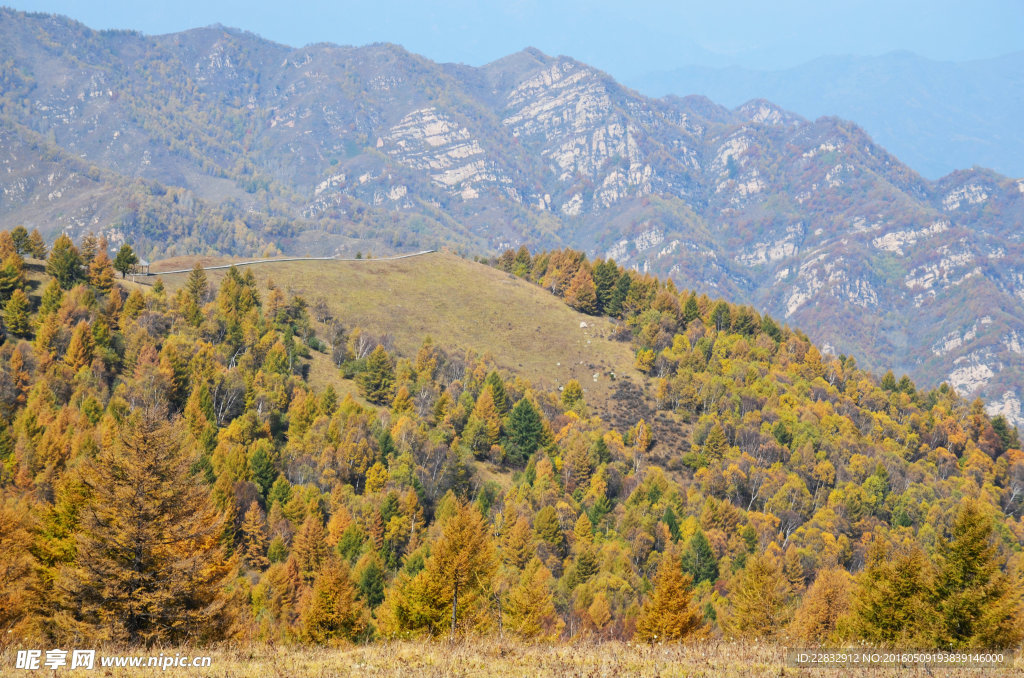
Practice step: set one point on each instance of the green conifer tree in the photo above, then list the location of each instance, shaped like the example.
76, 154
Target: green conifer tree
980, 605
124, 260
64, 262
699, 560
378, 379
16, 314
525, 432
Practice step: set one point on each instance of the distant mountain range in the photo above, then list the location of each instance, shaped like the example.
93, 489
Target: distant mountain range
217, 141
936, 116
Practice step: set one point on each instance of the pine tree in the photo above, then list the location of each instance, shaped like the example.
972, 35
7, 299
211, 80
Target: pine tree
600, 611
462, 562
21, 379
517, 543
133, 305
699, 560
669, 614
7, 247
606, 274
16, 569
577, 464
454, 587
16, 314
523, 262
771, 328
715, 444
583, 530
690, 310
124, 260
261, 466
672, 523
52, 297
20, 240
371, 582
148, 567
89, 247
197, 286
525, 432
721, 316
195, 293
12, 276
377, 381
980, 605
46, 339
549, 529
618, 296
498, 393
64, 262
309, 548
793, 569
484, 426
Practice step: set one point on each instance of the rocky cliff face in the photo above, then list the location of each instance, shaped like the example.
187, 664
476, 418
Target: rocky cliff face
325, 149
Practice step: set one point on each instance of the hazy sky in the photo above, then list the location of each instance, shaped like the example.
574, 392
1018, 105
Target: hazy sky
624, 38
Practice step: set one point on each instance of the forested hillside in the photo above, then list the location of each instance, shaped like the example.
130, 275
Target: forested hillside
214, 141
169, 475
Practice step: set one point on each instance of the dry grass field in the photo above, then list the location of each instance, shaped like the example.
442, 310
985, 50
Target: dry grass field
504, 659
460, 304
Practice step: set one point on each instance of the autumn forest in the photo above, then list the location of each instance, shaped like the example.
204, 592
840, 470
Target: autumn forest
170, 474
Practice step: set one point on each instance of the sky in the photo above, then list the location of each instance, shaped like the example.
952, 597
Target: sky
626, 39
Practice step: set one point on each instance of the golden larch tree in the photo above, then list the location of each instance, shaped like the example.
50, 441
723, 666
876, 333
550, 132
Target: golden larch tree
529, 611
823, 608
149, 567
453, 589
669, 614
101, 272
332, 612
893, 604
79, 353
759, 602
254, 537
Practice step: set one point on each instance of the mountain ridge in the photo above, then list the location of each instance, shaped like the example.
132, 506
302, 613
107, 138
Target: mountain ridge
217, 141
936, 115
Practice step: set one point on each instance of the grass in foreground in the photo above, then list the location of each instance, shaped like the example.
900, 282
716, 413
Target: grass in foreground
505, 658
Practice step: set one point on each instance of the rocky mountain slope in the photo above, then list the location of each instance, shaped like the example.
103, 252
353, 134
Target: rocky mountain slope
215, 140
937, 116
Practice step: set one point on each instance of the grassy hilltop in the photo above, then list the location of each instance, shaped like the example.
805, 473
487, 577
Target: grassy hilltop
460, 304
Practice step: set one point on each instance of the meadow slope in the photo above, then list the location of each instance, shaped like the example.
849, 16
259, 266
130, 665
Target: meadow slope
461, 305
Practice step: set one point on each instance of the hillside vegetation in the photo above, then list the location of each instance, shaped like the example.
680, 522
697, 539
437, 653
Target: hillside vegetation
217, 142
461, 305
171, 477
